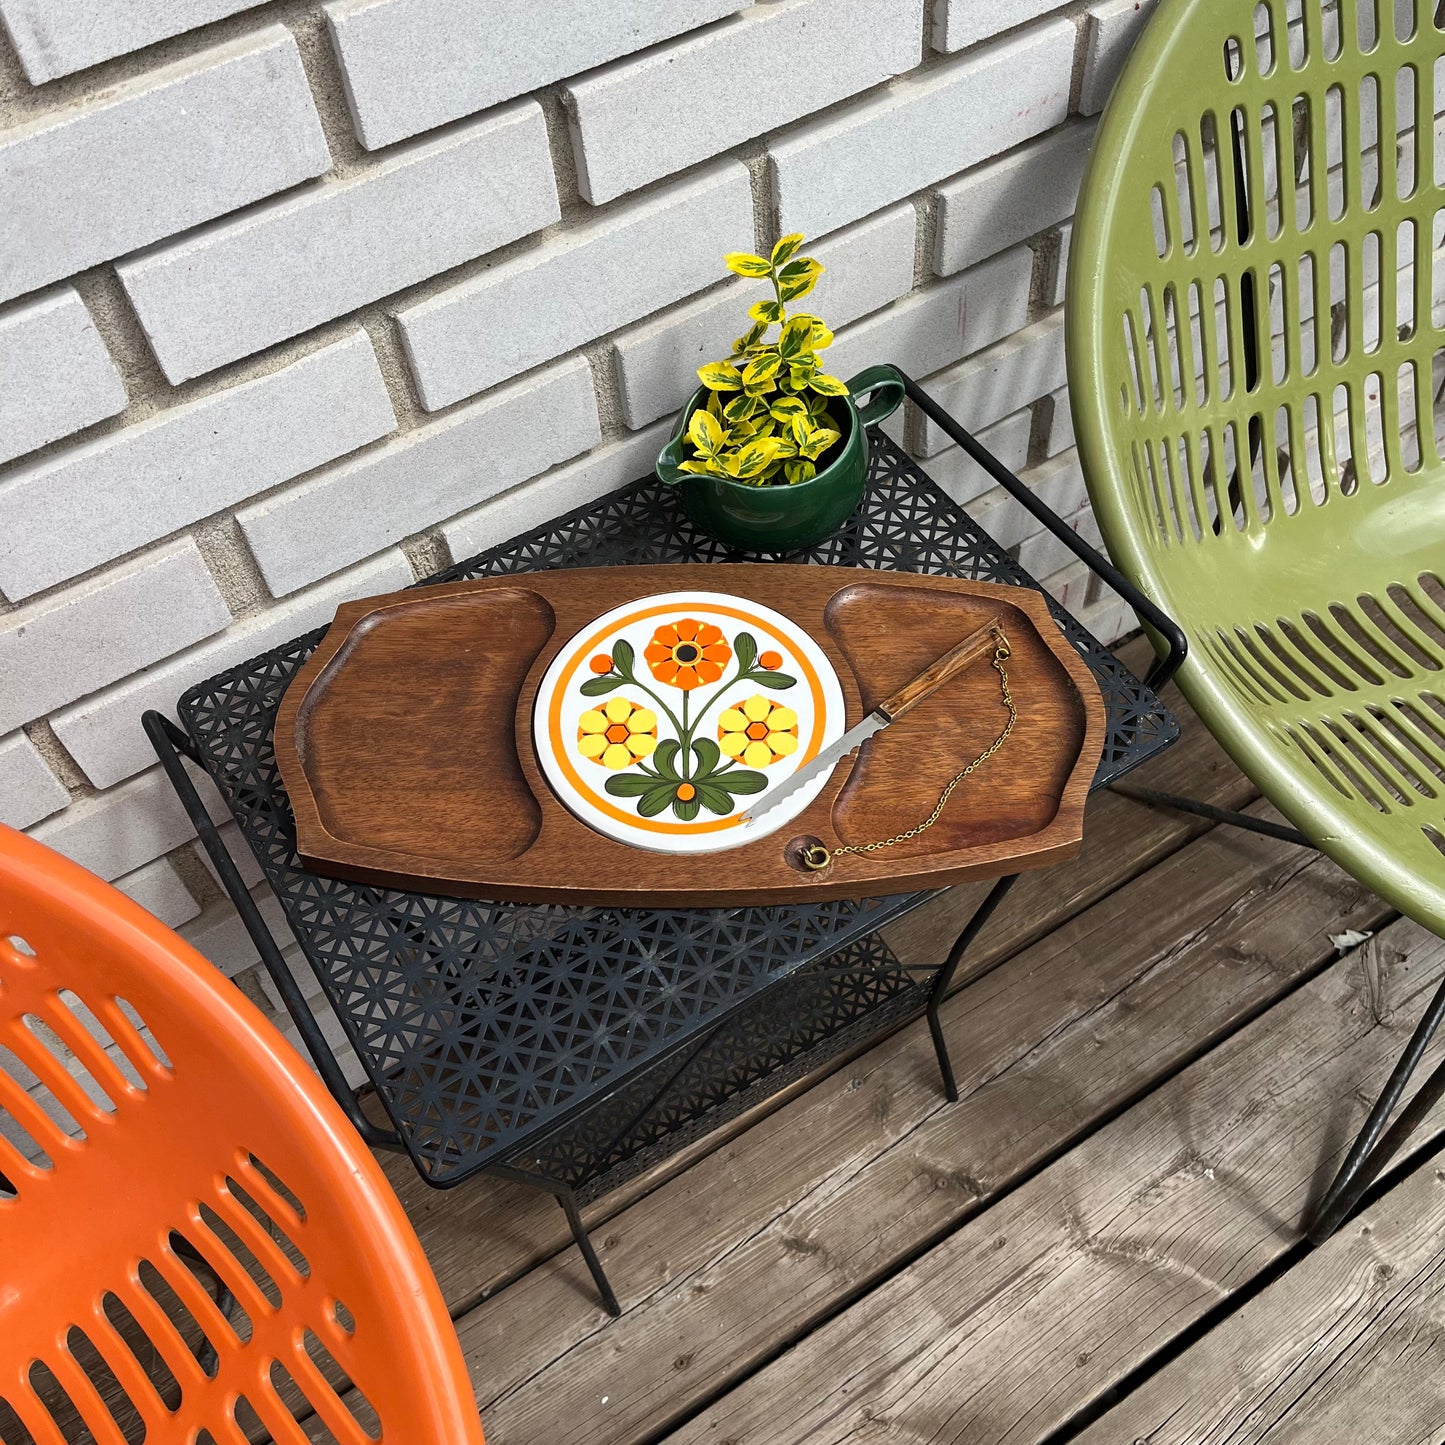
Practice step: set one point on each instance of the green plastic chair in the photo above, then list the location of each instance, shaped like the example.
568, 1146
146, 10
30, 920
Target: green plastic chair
1251, 344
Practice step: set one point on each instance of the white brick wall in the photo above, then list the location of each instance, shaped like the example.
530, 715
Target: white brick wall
414, 64
55, 374
834, 169
274, 334
576, 286
84, 506
640, 119
290, 265
157, 154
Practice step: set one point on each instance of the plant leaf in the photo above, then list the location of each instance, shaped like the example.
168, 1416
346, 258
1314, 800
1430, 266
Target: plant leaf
720, 376
794, 338
751, 460
787, 407
705, 432
787, 247
762, 368
742, 408
821, 338
826, 385
744, 263
750, 338
745, 649
708, 468
799, 471
766, 311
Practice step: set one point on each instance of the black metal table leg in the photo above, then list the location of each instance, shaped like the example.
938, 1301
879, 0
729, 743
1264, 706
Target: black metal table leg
961, 944
1155, 799
1376, 1145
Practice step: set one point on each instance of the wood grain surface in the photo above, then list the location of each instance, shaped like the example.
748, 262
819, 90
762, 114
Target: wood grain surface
405, 742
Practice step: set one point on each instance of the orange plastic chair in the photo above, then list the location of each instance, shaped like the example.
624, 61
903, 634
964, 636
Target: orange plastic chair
195, 1245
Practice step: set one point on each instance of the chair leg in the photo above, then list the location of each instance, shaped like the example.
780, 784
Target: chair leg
1155, 799
971, 929
568, 1201
1376, 1145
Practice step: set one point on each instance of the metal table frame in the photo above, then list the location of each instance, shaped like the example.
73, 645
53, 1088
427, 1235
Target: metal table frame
571, 1048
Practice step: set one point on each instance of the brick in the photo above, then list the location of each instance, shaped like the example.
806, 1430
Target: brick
430, 473
958, 24
54, 39
1110, 30
29, 791
555, 495
1008, 200
1021, 369
55, 374
240, 852
933, 328
1069, 586
1061, 270
1044, 553
221, 937
162, 152
287, 266
103, 732
865, 267
636, 120
159, 890
578, 286
55, 651
411, 65
1061, 428
116, 832
81, 507
845, 164
962, 477
1059, 485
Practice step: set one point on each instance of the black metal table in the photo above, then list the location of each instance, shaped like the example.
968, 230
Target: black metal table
571, 1047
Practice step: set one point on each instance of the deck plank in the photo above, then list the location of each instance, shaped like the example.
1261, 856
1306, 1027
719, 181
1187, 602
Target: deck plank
485, 1234
1348, 1346
760, 1241
1010, 1327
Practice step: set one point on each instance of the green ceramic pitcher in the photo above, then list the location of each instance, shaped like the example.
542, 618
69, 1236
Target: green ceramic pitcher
785, 518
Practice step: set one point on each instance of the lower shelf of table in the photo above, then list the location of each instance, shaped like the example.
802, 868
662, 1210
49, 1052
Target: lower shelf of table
818, 1014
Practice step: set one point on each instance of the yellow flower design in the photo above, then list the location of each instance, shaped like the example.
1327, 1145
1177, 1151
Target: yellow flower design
758, 731
617, 734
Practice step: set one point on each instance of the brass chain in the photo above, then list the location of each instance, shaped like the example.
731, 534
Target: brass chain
818, 857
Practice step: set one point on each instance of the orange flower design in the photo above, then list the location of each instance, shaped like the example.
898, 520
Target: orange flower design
758, 731
617, 734
687, 653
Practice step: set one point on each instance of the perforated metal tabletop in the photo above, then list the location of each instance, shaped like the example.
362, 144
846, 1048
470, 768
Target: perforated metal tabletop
576, 1040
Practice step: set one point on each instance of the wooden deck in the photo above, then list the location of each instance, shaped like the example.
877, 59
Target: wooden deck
1162, 1056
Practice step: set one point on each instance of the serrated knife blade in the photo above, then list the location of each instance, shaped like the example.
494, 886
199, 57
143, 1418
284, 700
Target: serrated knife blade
824, 763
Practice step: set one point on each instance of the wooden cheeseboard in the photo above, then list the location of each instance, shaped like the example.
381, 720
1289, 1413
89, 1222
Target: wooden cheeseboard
416, 752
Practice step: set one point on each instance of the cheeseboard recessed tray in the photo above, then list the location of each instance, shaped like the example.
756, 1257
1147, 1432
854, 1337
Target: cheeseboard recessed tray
596, 736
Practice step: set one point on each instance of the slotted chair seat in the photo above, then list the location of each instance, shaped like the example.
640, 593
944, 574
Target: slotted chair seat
195, 1246
1252, 348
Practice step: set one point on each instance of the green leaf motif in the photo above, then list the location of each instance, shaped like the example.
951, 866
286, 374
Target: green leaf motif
745, 649
777, 680
629, 785
708, 755
656, 800
739, 781
622, 657
686, 811
714, 799
600, 686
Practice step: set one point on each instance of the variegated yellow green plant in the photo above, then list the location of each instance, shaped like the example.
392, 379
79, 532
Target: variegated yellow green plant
767, 419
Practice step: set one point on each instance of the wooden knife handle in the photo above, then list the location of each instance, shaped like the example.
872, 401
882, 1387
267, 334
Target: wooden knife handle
975, 645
